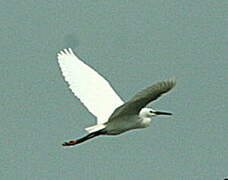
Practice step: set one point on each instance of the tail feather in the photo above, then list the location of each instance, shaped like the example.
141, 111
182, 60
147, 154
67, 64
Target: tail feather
95, 128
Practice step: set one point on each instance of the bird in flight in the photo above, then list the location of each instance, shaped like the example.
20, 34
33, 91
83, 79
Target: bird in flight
114, 116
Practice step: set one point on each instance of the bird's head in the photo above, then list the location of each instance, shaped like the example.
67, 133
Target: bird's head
149, 112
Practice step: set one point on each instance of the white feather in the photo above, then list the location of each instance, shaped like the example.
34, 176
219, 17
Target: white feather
95, 128
89, 86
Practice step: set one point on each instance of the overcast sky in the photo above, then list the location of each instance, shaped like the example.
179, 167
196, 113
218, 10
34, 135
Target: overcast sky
133, 44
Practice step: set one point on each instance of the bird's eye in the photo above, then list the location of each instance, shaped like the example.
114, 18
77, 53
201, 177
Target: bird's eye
151, 111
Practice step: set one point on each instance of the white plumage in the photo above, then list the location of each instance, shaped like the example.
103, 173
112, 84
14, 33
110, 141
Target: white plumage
113, 115
89, 86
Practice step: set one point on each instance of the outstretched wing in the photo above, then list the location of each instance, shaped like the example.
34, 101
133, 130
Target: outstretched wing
144, 97
89, 86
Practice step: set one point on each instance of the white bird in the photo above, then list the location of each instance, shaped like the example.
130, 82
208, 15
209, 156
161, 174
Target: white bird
114, 116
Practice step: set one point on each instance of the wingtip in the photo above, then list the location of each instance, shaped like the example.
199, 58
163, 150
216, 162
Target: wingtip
70, 50
65, 51
172, 80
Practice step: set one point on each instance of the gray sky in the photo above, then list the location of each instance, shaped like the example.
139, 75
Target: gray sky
133, 44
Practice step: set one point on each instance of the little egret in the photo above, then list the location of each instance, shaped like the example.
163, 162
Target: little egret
114, 116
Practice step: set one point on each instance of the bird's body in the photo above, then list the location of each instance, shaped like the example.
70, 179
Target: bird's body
118, 125
114, 116
122, 124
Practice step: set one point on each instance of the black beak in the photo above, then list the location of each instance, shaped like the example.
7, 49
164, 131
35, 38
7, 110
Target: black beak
163, 113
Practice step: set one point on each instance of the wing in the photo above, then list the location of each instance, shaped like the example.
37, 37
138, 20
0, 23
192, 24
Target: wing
89, 86
144, 97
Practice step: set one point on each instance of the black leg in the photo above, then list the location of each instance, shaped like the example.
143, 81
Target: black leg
80, 140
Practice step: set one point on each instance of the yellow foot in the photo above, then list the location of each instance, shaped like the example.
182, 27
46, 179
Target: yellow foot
70, 143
